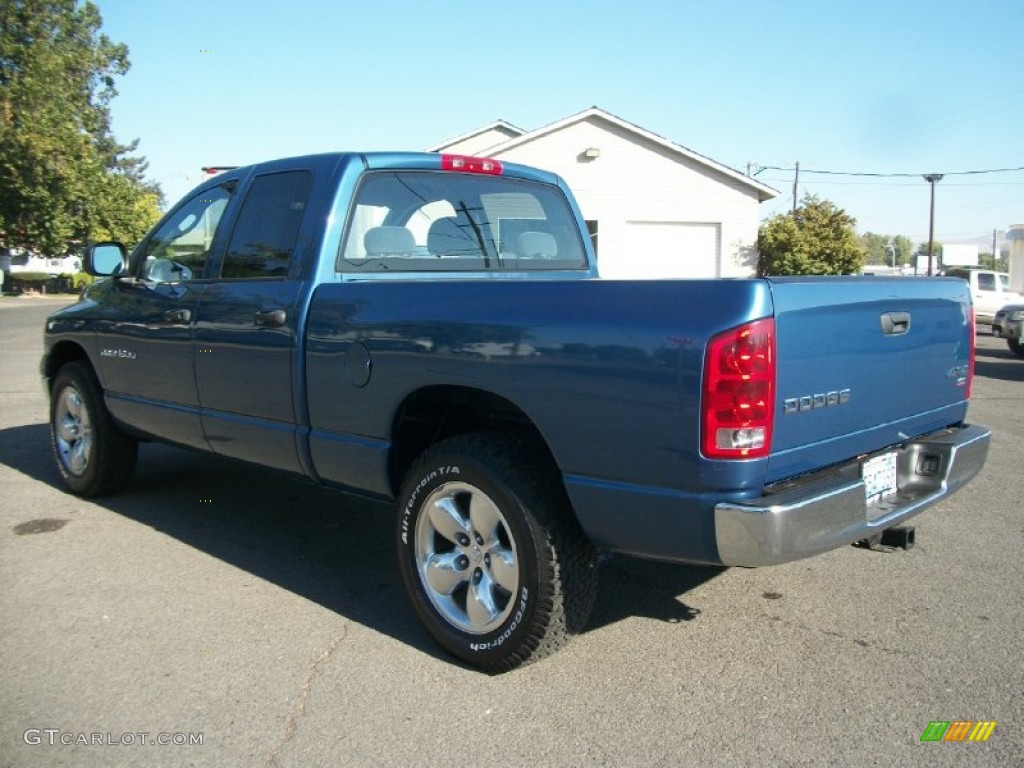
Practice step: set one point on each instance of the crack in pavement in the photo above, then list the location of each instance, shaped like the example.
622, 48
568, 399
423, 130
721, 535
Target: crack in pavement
292, 724
841, 636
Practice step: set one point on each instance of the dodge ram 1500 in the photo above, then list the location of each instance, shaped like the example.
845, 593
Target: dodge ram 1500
431, 330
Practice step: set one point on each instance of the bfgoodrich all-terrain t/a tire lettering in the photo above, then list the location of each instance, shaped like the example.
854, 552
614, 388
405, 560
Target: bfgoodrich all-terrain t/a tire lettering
491, 556
94, 457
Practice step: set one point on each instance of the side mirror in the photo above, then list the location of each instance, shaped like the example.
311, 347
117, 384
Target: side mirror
105, 259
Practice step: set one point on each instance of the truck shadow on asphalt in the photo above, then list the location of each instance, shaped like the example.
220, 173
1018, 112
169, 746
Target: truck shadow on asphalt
325, 546
1000, 364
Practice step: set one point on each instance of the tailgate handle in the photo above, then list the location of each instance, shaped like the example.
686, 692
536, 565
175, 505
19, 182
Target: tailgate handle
895, 323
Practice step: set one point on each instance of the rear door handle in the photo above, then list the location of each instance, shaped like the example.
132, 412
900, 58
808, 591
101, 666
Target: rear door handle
178, 315
270, 318
895, 323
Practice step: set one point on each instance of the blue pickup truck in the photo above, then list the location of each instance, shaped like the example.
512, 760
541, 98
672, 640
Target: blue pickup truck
431, 330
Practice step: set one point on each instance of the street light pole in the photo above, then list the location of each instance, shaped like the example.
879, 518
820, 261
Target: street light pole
933, 179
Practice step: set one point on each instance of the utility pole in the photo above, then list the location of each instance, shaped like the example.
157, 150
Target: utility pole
995, 256
933, 179
796, 183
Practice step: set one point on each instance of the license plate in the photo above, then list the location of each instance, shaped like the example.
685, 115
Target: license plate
879, 474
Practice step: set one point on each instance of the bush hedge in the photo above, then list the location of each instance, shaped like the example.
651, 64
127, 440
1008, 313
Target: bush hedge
43, 282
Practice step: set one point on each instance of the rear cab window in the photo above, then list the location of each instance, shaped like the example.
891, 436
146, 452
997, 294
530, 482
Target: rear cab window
425, 221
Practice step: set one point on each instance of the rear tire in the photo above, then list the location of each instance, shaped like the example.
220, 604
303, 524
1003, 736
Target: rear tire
94, 457
496, 566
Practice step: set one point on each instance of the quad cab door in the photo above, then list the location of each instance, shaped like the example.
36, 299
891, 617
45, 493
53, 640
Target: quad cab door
247, 323
145, 335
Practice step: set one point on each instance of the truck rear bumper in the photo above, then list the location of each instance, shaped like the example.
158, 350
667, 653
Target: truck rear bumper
827, 510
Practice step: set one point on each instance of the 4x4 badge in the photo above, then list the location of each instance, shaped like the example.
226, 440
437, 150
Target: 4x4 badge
958, 374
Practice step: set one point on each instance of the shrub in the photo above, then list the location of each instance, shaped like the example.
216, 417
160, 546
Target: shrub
30, 277
46, 283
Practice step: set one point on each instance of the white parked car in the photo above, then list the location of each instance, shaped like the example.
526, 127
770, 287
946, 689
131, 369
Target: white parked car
990, 291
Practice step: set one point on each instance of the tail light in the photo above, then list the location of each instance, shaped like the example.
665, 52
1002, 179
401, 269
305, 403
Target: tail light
468, 164
970, 365
738, 403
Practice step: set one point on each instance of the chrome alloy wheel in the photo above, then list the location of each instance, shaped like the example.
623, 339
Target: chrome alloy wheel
466, 558
72, 432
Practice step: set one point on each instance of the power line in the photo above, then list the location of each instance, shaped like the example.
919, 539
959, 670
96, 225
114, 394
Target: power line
781, 180
886, 175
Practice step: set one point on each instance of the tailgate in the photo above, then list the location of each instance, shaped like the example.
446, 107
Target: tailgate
865, 363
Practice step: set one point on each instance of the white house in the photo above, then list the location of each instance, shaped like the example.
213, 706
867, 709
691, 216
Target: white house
654, 208
19, 261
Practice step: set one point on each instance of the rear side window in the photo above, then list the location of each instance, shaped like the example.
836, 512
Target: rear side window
986, 282
264, 237
450, 222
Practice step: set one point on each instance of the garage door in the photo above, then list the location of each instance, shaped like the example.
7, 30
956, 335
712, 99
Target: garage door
664, 250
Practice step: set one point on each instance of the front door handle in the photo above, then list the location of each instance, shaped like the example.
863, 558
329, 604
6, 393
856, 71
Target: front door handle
270, 318
178, 315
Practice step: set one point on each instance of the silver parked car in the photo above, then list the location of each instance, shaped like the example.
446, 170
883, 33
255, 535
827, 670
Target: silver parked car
1009, 323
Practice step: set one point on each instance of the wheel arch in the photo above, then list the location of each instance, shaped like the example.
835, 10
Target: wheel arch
62, 353
436, 413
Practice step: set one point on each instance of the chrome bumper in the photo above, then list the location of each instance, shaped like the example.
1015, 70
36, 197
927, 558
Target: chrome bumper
822, 512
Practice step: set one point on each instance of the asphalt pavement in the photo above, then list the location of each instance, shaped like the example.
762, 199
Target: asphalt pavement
216, 614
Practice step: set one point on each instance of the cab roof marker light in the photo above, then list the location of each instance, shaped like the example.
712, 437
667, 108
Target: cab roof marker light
467, 164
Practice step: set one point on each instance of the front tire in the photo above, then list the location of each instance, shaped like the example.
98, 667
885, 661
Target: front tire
497, 568
94, 457
1015, 346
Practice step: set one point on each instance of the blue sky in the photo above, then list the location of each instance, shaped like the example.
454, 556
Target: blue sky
882, 87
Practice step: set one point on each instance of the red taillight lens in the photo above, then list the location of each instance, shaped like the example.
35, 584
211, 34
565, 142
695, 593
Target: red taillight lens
739, 392
974, 343
468, 164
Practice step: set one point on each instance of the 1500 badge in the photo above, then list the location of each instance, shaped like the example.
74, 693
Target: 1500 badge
124, 354
813, 402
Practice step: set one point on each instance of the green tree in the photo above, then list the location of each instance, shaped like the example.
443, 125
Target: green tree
904, 249
1000, 263
884, 249
875, 248
818, 238
922, 249
63, 176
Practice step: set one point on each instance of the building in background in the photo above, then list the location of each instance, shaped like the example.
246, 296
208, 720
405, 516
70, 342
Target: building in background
1015, 236
654, 209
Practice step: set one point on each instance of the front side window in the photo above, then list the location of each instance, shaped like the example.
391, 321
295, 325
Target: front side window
178, 250
264, 237
451, 222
